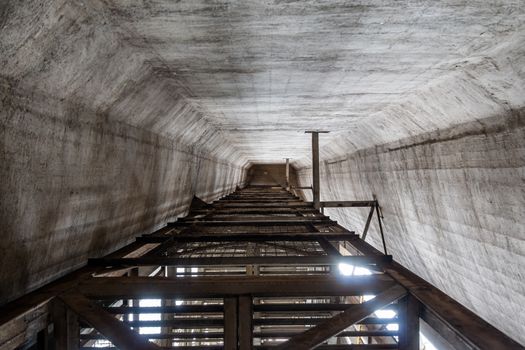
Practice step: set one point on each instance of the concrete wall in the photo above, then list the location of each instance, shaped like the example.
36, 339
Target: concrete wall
270, 175
97, 143
76, 186
453, 204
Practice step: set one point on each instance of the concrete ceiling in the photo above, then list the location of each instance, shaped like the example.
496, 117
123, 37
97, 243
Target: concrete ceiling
265, 71
241, 80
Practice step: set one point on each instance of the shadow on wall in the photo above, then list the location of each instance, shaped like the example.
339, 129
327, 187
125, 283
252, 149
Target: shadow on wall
75, 185
270, 175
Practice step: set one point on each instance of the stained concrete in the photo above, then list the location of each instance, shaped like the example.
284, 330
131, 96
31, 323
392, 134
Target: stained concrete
115, 112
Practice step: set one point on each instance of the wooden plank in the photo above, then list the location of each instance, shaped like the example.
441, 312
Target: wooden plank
114, 330
158, 287
358, 260
331, 327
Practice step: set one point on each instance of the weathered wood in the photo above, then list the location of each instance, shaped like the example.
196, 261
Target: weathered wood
327, 329
154, 287
17, 329
114, 330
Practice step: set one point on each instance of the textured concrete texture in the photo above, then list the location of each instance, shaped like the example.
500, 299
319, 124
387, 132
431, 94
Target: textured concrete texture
76, 186
115, 112
89, 158
270, 175
453, 203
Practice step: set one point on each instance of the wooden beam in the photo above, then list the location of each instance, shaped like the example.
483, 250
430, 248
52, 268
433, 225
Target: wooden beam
114, 330
251, 237
192, 322
245, 309
65, 327
279, 221
331, 327
358, 260
329, 249
368, 221
230, 323
347, 204
408, 314
216, 308
449, 318
158, 287
20, 324
261, 334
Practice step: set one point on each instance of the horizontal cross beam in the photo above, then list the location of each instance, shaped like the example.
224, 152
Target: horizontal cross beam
358, 260
217, 287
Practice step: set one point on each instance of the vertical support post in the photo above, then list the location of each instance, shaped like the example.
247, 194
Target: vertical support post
287, 174
230, 323
381, 227
134, 272
368, 221
409, 310
42, 339
245, 318
65, 327
315, 167
315, 170
238, 323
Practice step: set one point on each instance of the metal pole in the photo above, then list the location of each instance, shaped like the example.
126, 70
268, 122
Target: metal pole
315, 170
288, 174
315, 167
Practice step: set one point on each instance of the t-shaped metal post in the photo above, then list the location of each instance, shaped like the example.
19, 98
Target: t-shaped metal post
287, 174
315, 166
